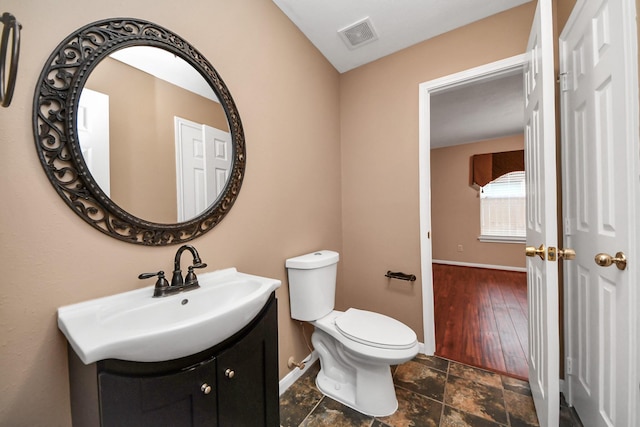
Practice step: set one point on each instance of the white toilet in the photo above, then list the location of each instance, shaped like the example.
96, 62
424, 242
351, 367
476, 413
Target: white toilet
356, 347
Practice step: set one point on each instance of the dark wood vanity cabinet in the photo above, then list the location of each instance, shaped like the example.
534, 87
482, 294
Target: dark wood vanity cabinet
177, 399
232, 384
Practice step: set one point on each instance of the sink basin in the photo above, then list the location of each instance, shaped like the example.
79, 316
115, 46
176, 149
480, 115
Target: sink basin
134, 326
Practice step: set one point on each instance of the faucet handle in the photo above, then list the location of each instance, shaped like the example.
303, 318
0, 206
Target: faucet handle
191, 278
161, 283
143, 276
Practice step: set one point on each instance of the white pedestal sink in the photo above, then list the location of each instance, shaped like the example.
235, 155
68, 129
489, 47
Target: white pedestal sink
136, 327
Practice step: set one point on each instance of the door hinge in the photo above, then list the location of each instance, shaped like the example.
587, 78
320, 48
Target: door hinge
563, 79
568, 367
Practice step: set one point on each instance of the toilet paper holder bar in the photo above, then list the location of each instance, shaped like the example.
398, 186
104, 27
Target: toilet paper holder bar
401, 276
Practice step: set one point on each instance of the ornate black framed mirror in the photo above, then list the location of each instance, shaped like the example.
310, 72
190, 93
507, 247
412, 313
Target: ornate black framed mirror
167, 175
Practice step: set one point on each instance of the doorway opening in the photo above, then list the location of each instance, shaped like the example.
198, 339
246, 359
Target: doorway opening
435, 135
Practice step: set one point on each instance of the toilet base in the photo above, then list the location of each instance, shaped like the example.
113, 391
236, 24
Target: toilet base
346, 394
354, 381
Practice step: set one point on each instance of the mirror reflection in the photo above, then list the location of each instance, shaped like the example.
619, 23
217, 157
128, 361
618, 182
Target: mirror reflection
154, 135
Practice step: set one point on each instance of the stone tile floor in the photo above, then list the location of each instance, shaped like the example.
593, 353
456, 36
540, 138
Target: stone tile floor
431, 391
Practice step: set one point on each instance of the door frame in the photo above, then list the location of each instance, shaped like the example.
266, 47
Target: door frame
495, 69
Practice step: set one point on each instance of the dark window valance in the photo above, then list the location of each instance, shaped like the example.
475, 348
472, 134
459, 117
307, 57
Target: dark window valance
489, 166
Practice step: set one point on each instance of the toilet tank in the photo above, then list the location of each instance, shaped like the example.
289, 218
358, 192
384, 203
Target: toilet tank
312, 284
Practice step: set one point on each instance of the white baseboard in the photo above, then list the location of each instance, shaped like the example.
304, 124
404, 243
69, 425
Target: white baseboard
421, 349
471, 264
294, 375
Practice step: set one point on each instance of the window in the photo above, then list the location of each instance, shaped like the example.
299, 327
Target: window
503, 209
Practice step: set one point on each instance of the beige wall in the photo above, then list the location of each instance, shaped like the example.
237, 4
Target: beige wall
563, 10
379, 139
455, 206
287, 96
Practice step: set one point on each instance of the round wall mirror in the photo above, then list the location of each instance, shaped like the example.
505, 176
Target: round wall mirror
138, 133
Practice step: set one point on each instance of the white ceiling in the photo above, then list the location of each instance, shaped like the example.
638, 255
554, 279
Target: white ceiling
482, 110
166, 66
398, 23
471, 113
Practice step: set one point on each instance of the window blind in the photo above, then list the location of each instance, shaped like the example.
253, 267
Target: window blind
503, 208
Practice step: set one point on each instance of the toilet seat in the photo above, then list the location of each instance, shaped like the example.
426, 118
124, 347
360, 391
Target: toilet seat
375, 329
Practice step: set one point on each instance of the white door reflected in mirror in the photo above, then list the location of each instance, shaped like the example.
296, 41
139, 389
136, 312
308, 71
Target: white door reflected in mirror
203, 164
93, 135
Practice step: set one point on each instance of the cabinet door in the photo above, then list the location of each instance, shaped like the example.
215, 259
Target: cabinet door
247, 375
175, 400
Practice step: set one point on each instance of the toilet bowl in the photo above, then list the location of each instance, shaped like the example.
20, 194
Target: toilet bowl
356, 371
356, 347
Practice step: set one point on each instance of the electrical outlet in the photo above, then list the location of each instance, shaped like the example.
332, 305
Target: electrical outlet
460, 248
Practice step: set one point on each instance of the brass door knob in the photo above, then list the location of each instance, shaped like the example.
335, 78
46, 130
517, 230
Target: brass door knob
206, 388
567, 254
533, 251
605, 260
229, 373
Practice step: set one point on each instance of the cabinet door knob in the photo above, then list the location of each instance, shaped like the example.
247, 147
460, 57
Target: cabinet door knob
206, 388
229, 373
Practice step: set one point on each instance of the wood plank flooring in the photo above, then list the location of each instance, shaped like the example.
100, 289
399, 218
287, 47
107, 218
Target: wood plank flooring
481, 318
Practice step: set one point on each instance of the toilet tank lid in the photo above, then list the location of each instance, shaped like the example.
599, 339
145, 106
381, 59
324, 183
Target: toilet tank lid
315, 259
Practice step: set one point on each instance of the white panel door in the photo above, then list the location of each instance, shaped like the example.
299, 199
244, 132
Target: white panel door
542, 275
191, 169
93, 135
203, 165
219, 155
600, 166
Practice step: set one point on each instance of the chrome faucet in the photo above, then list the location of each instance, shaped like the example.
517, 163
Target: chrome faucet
178, 284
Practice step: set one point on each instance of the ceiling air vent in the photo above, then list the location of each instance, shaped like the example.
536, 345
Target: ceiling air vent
358, 34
